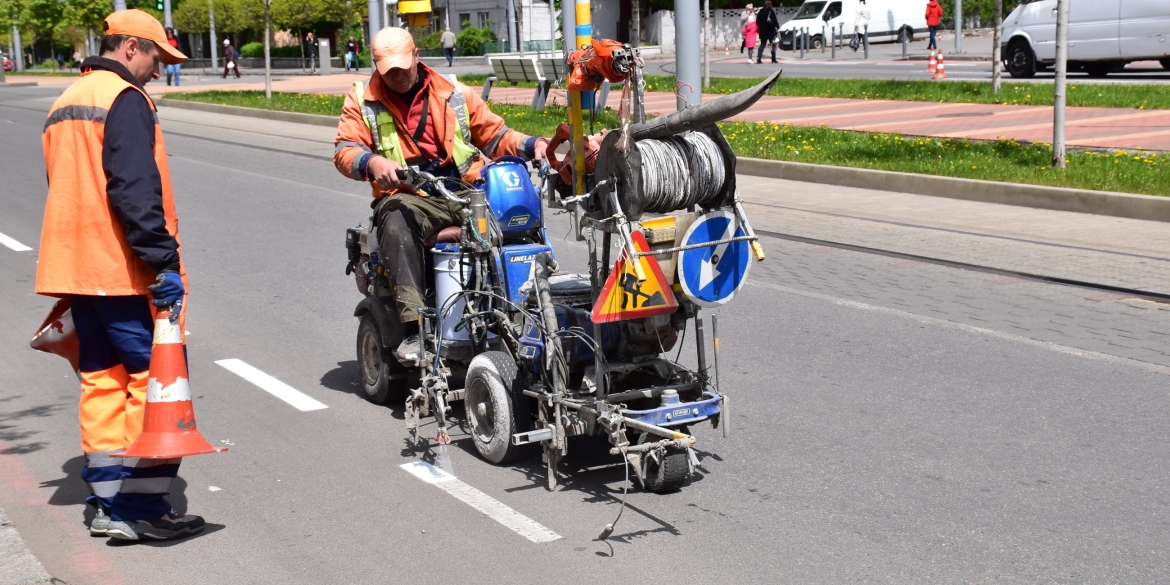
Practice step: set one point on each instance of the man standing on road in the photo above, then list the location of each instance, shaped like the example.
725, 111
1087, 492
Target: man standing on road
861, 23
409, 115
311, 49
448, 41
110, 244
229, 59
768, 24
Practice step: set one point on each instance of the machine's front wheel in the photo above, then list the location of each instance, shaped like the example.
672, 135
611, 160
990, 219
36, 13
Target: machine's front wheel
494, 409
376, 368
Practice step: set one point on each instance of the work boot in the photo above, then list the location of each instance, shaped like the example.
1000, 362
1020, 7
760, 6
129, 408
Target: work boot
100, 524
409, 351
169, 527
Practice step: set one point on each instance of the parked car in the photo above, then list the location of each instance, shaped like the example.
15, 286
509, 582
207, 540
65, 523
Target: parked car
890, 20
1103, 35
7, 63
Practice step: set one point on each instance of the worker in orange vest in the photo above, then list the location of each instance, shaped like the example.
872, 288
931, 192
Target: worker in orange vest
110, 243
407, 114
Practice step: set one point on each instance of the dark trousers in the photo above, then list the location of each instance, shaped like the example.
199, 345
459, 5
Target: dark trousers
449, 53
114, 336
933, 44
404, 223
226, 69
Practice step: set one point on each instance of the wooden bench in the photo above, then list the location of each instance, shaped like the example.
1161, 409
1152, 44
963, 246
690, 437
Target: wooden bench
518, 69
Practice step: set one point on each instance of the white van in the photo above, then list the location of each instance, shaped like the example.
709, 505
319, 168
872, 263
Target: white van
890, 20
1103, 35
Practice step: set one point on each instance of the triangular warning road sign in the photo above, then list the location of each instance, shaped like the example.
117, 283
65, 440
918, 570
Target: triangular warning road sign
625, 297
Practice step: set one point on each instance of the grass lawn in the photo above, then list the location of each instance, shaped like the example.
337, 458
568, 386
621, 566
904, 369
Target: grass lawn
1006, 160
1145, 97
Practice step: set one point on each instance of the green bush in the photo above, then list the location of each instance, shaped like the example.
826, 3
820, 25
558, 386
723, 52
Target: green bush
425, 39
467, 42
252, 51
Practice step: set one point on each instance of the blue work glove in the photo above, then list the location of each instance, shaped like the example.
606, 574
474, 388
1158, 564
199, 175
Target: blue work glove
168, 289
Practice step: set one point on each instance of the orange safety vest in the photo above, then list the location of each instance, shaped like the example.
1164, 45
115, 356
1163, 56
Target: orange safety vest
83, 243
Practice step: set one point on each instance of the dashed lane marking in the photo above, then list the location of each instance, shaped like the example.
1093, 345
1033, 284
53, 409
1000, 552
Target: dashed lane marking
296, 398
493, 508
13, 244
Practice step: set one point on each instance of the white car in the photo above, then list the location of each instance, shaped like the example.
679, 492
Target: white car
890, 20
1103, 35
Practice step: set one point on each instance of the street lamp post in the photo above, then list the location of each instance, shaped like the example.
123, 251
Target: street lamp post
267, 51
211, 21
1058, 88
958, 26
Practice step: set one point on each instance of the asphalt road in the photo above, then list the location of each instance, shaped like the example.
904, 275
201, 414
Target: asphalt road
875, 441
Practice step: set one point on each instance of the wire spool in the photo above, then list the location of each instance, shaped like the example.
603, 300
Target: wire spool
680, 171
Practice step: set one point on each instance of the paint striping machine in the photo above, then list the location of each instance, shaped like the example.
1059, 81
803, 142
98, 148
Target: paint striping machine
538, 354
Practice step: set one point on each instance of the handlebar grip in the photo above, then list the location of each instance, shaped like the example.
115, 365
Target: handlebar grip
402, 175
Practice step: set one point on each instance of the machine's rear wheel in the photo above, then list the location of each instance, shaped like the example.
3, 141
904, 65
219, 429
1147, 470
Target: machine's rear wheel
494, 409
376, 365
674, 472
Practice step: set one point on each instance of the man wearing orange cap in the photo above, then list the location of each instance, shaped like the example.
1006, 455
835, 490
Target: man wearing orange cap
110, 244
408, 114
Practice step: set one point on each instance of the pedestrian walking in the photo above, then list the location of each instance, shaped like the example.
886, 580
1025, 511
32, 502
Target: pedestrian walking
860, 24
749, 13
172, 68
229, 59
110, 244
750, 32
768, 24
448, 41
934, 14
311, 49
76, 60
351, 52
60, 61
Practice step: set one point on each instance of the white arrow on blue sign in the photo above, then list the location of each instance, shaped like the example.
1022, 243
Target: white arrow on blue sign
711, 275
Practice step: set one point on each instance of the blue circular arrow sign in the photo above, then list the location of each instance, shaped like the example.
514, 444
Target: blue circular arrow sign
711, 275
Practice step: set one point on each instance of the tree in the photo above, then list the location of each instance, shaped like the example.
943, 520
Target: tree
298, 15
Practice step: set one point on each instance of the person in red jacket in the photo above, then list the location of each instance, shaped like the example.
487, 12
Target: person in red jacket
934, 13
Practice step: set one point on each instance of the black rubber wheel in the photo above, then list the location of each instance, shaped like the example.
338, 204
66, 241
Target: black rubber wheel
1165, 63
816, 42
1021, 62
377, 365
674, 472
495, 408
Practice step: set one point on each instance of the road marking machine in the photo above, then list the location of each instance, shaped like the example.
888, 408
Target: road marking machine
538, 354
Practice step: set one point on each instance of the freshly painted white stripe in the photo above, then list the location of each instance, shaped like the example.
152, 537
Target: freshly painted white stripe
271, 385
1056, 347
15, 245
493, 508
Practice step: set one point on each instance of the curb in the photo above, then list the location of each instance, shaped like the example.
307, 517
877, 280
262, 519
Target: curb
949, 57
17, 83
1147, 207
18, 566
296, 117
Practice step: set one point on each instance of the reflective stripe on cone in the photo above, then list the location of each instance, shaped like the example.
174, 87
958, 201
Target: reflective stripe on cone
168, 423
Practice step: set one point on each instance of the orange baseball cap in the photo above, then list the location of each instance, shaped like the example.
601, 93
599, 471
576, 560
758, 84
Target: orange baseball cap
393, 48
136, 23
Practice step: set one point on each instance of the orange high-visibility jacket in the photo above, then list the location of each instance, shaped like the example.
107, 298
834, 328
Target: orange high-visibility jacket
83, 244
489, 133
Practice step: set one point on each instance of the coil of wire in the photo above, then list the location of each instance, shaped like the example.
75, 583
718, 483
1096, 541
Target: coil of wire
678, 172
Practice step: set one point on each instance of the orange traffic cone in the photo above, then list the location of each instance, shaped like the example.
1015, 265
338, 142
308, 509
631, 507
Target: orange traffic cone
168, 425
941, 73
933, 62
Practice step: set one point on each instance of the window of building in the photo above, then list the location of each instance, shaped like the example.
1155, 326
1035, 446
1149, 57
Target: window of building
464, 20
484, 19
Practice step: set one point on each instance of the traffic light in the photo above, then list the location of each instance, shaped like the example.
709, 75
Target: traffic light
158, 4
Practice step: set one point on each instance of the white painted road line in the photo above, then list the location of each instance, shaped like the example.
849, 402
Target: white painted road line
296, 398
15, 245
519, 523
